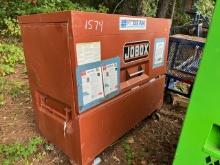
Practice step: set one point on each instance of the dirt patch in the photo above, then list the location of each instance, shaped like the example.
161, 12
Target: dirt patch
152, 142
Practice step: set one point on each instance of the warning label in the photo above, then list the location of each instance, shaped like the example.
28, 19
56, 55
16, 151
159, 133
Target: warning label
88, 52
92, 86
110, 78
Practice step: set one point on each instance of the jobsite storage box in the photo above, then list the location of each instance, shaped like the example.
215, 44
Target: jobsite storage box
93, 76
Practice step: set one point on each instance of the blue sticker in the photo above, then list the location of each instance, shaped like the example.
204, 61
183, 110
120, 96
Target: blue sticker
132, 23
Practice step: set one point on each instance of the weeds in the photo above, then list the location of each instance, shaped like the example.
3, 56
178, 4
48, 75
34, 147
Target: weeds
3, 87
18, 89
13, 152
15, 89
129, 153
10, 55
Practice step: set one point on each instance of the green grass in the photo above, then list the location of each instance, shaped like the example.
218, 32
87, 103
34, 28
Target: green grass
3, 88
18, 89
14, 89
10, 56
129, 153
11, 153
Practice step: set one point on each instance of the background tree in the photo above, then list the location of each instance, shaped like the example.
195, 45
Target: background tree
187, 4
162, 9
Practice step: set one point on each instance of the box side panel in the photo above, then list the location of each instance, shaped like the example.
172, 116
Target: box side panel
46, 47
47, 55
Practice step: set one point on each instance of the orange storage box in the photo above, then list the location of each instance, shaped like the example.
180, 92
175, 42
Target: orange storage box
93, 76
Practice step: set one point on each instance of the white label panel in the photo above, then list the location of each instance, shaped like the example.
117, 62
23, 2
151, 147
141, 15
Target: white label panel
92, 87
159, 51
129, 23
110, 78
88, 52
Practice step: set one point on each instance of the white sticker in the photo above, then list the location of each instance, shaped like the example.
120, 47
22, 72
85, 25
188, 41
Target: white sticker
88, 52
110, 78
159, 53
128, 23
92, 87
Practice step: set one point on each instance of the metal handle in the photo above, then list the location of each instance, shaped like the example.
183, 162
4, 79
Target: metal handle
136, 73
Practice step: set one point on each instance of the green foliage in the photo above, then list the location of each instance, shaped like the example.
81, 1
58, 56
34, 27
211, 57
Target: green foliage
134, 7
17, 89
11, 9
150, 7
181, 18
2, 89
46, 6
10, 55
13, 152
129, 153
2, 99
12, 28
206, 7
103, 8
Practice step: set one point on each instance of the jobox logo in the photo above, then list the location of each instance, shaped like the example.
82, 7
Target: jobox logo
136, 50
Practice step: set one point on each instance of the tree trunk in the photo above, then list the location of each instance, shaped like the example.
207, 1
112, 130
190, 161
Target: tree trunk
126, 9
133, 7
162, 9
187, 4
139, 7
173, 9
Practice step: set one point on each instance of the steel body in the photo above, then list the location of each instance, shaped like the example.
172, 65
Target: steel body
49, 42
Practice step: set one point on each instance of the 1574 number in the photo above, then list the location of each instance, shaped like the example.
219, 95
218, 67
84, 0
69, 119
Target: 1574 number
94, 25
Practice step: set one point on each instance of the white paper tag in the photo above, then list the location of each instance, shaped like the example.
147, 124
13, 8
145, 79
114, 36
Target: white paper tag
88, 52
129, 23
92, 86
110, 78
159, 53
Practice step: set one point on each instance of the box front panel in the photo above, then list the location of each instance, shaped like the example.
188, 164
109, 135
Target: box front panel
140, 43
104, 124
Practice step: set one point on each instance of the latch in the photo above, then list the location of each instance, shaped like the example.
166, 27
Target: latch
67, 120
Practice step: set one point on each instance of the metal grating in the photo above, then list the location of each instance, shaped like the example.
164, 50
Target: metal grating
184, 58
185, 53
